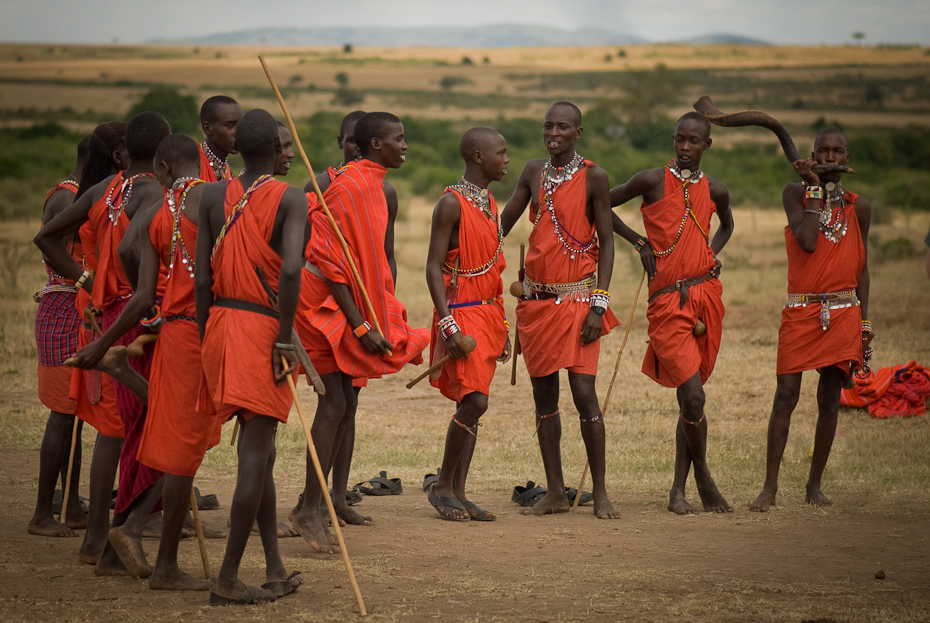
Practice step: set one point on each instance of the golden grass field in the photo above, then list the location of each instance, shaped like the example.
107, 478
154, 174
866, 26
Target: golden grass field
795, 563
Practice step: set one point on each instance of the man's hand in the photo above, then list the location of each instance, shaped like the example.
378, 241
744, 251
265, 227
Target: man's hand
277, 365
88, 357
504, 357
803, 168
455, 347
715, 271
376, 343
648, 258
591, 329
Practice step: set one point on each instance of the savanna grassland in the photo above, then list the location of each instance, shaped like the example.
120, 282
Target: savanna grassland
795, 563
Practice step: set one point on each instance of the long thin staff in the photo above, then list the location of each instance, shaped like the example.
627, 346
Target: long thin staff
319, 193
328, 498
516, 331
198, 527
629, 324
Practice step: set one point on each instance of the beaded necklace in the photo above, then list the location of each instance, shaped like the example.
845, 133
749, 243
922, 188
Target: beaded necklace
237, 210
478, 197
73, 183
216, 163
175, 207
125, 192
549, 184
687, 178
833, 227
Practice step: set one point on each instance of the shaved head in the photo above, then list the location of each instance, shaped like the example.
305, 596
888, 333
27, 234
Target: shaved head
575, 111
178, 150
697, 118
143, 134
828, 132
209, 109
477, 139
373, 125
257, 135
349, 121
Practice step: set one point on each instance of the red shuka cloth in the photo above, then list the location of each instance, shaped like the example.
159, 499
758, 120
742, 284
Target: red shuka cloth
478, 238
236, 349
674, 354
356, 200
56, 330
550, 334
896, 391
207, 173
176, 435
832, 267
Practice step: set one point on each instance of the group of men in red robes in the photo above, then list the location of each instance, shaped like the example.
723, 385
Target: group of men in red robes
152, 236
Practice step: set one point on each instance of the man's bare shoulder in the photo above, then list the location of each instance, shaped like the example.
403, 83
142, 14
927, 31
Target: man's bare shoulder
447, 207
717, 188
534, 167
597, 174
389, 192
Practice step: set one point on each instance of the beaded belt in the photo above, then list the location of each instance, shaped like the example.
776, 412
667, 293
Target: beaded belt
577, 291
826, 300
179, 317
472, 303
52, 287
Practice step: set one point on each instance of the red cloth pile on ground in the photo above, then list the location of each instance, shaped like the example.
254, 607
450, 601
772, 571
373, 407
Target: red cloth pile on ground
900, 390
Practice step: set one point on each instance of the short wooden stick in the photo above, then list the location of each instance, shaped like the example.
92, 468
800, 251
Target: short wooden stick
63, 515
200, 538
235, 434
629, 325
516, 331
468, 343
327, 498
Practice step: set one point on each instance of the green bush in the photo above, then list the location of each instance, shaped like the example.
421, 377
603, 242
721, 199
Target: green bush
181, 111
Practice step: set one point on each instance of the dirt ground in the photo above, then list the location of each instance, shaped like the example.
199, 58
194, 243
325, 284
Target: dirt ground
793, 564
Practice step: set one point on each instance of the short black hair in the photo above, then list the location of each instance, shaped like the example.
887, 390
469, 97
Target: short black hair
372, 125
697, 117
102, 142
257, 134
827, 131
83, 148
143, 134
177, 149
352, 117
474, 140
575, 110
209, 107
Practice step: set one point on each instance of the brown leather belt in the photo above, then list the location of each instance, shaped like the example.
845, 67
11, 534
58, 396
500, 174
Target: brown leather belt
682, 286
249, 306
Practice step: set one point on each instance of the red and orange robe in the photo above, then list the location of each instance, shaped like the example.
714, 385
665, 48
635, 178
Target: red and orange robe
803, 341
674, 353
176, 435
236, 349
475, 302
356, 200
57, 325
108, 224
550, 332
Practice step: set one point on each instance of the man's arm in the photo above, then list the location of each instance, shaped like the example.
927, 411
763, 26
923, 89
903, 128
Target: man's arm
641, 184
390, 196
142, 300
720, 195
803, 215
130, 247
446, 217
51, 238
521, 197
599, 196
927, 242
210, 201
294, 207
864, 216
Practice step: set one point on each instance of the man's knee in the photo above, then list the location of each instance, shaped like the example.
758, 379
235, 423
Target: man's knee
475, 405
692, 401
786, 396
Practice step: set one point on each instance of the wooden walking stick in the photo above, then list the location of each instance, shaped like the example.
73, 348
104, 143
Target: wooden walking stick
468, 344
629, 324
329, 215
516, 289
198, 527
328, 498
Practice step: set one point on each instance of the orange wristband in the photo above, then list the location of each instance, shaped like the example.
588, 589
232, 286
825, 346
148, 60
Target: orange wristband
361, 330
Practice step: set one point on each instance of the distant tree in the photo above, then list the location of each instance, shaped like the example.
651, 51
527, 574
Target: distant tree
798, 104
858, 36
486, 60
181, 111
343, 79
621, 53
608, 58
448, 82
347, 48
467, 61
348, 97
295, 80
874, 95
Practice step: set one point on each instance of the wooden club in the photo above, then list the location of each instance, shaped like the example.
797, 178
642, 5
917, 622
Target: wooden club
468, 344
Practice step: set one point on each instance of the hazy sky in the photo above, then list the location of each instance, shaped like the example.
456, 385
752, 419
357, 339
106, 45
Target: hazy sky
777, 21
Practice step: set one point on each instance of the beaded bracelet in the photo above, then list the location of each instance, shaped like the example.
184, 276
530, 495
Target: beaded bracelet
866, 326
448, 327
283, 346
600, 300
361, 329
506, 323
810, 211
153, 321
814, 192
80, 282
639, 244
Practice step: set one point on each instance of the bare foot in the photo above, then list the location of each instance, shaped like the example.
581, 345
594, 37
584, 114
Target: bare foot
88, 559
552, 502
76, 519
107, 567
130, 553
764, 502
177, 580
284, 530
679, 505
710, 496
603, 509
328, 521
816, 497
48, 526
208, 533
349, 516
115, 361
475, 512
310, 526
152, 529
